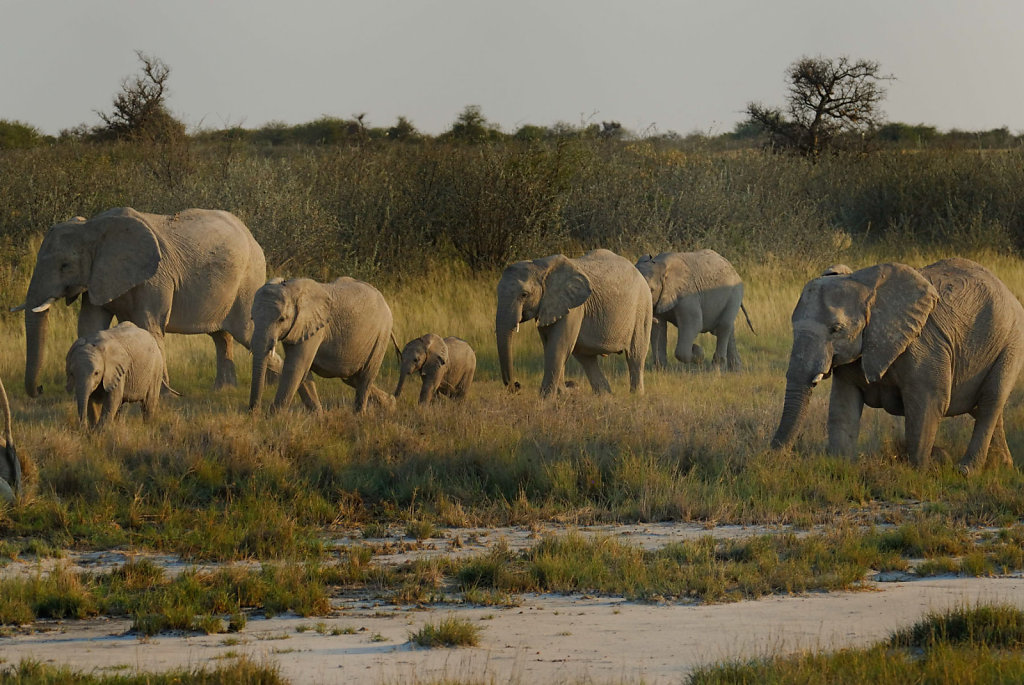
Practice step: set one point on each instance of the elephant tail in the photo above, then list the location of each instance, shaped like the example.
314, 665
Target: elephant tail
398, 350
747, 317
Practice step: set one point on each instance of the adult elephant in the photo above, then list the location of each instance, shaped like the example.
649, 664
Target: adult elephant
942, 341
698, 292
192, 272
340, 329
594, 305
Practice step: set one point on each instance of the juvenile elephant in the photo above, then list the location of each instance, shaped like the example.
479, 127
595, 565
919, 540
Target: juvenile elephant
340, 329
192, 272
942, 341
447, 366
595, 305
698, 292
10, 466
111, 367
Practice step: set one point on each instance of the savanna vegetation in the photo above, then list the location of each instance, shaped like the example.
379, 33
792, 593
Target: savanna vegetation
431, 221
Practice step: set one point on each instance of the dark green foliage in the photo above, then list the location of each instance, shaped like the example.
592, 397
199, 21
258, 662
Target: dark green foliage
16, 134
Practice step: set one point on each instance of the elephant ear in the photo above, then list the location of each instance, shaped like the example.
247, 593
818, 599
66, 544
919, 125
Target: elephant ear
565, 287
126, 254
312, 305
900, 303
437, 355
115, 364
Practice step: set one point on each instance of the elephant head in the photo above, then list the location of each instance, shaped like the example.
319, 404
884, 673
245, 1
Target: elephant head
105, 256
291, 311
665, 279
10, 465
424, 355
90, 366
871, 315
543, 289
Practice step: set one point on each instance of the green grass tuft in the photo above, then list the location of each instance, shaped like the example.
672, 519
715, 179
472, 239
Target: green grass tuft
449, 632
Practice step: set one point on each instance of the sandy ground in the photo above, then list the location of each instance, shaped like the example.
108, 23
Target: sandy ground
545, 639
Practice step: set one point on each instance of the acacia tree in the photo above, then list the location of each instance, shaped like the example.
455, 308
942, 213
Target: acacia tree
140, 109
825, 99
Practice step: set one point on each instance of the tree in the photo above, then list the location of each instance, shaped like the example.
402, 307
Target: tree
826, 98
472, 127
140, 109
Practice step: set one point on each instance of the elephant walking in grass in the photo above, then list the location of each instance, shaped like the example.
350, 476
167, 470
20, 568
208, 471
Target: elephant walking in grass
112, 367
446, 365
340, 329
588, 307
10, 465
192, 272
941, 341
698, 292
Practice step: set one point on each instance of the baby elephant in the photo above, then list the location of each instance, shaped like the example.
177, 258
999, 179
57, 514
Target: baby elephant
121, 364
447, 366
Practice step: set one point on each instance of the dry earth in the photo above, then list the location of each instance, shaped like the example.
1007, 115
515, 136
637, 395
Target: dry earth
545, 639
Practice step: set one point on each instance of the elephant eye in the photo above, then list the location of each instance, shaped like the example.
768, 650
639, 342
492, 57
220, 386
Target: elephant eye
282, 318
524, 295
835, 328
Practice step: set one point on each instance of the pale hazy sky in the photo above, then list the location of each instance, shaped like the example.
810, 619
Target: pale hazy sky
681, 66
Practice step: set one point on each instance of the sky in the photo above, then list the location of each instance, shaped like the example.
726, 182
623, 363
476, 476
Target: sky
652, 65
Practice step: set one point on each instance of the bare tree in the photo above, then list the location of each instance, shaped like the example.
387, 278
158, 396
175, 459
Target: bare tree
826, 98
140, 109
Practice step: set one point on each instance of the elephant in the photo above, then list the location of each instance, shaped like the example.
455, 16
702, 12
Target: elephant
591, 306
340, 329
699, 292
941, 341
446, 365
191, 272
10, 465
111, 367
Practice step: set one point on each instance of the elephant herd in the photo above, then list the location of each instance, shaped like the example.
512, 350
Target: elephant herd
944, 340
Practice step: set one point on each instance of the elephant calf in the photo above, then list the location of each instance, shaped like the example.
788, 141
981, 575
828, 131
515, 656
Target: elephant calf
447, 366
117, 365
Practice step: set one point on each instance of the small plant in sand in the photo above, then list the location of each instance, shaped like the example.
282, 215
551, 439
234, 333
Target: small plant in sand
449, 632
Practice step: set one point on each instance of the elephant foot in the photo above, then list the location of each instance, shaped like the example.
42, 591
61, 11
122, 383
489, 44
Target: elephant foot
226, 378
698, 354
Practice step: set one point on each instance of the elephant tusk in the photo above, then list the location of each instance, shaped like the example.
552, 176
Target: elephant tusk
44, 306
516, 329
19, 308
817, 379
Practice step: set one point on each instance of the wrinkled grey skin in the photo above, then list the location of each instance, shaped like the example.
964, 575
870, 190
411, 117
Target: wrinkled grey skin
10, 465
942, 341
109, 368
698, 292
340, 329
447, 366
595, 305
192, 272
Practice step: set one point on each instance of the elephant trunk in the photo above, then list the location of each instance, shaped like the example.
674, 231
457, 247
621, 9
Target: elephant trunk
37, 325
262, 346
84, 389
809, 362
798, 396
403, 373
506, 323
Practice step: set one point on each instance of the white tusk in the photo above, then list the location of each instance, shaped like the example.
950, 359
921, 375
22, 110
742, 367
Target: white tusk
817, 379
44, 306
516, 329
18, 308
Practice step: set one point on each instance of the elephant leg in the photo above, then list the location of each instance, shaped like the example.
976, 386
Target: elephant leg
732, 355
689, 321
592, 368
298, 359
559, 341
309, 395
94, 411
92, 319
659, 343
999, 451
224, 343
921, 423
111, 405
845, 405
431, 386
988, 417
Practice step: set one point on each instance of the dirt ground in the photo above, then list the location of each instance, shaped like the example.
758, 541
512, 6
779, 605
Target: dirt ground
546, 638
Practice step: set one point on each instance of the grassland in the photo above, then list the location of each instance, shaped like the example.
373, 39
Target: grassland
209, 482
